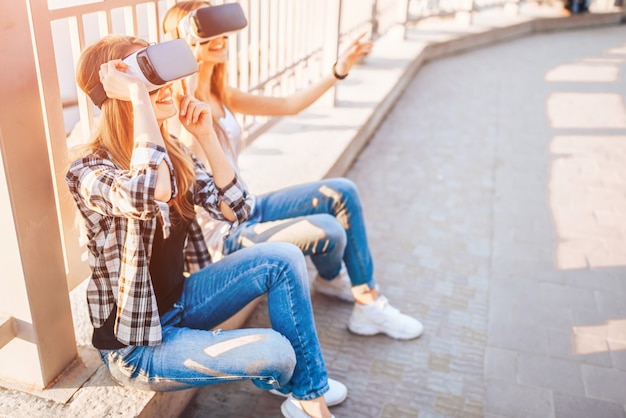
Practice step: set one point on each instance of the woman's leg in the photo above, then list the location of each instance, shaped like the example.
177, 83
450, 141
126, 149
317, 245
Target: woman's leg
190, 358
324, 219
217, 292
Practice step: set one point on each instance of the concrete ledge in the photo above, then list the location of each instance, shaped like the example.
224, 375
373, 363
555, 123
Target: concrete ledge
320, 142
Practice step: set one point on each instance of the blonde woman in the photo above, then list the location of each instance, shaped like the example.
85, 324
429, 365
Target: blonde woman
324, 219
153, 295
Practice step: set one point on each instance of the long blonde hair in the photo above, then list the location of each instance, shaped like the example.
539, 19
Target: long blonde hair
115, 134
170, 27
219, 76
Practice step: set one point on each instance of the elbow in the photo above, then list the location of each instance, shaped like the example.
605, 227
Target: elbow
294, 110
246, 210
237, 215
163, 193
289, 106
163, 187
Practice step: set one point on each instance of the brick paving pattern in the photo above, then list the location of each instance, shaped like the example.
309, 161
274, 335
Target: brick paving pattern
495, 204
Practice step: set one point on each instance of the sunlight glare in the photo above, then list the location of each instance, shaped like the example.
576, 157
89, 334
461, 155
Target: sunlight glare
610, 336
569, 110
587, 200
584, 73
618, 51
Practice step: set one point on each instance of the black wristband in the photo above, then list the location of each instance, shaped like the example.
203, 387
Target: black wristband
338, 76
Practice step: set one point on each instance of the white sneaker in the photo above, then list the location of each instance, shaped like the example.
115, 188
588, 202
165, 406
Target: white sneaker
337, 393
339, 286
292, 408
379, 317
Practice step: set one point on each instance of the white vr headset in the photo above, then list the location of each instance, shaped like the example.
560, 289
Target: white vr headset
156, 65
211, 22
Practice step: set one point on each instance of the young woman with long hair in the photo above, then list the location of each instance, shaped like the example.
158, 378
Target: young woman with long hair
154, 296
324, 219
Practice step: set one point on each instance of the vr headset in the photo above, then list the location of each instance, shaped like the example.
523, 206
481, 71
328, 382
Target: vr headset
156, 65
211, 22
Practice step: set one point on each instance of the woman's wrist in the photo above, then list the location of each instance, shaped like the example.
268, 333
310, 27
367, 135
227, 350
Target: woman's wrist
138, 94
337, 75
207, 136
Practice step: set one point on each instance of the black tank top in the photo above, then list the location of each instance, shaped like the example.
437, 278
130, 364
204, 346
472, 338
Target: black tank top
167, 265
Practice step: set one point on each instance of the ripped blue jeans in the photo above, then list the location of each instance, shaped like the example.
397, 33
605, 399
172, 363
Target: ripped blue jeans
287, 357
324, 219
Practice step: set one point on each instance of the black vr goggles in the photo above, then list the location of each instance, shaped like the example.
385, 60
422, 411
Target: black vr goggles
210, 22
156, 65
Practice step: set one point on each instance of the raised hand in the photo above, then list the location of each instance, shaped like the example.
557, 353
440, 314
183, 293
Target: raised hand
357, 48
195, 116
118, 82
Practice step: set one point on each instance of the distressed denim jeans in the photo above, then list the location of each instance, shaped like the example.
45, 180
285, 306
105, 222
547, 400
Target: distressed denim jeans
324, 219
287, 357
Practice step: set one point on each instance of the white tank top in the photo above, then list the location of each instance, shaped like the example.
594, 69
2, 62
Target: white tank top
233, 131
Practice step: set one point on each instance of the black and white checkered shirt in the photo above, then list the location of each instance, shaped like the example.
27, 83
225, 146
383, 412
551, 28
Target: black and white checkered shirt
120, 218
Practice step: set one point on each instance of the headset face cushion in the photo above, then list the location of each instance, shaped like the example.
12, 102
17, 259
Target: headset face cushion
213, 21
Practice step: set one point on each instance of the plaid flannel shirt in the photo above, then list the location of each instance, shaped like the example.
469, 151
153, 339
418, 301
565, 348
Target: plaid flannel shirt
120, 219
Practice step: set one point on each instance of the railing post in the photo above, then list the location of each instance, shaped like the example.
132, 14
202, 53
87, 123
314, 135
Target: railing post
402, 10
512, 7
33, 289
331, 47
374, 20
464, 11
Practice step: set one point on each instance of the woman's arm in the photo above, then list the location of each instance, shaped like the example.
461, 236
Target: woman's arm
250, 104
147, 131
103, 187
120, 85
196, 118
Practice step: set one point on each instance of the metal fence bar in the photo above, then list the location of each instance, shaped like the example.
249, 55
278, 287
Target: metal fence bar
7, 330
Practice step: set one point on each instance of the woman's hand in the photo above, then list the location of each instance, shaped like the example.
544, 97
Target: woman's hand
356, 49
119, 83
195, 116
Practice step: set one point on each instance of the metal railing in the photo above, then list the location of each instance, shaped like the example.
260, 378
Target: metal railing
420, 9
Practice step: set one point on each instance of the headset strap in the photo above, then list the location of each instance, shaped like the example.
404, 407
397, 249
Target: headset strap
98, 95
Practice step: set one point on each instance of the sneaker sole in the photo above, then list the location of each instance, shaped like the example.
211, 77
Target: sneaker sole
329, 402
369, 331
284, 409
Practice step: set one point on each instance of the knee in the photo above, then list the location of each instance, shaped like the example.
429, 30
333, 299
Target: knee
347, 199
282, 352
277, 361
282, 255
345, 187
283, 251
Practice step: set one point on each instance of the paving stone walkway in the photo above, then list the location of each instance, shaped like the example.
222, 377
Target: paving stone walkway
494, 194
